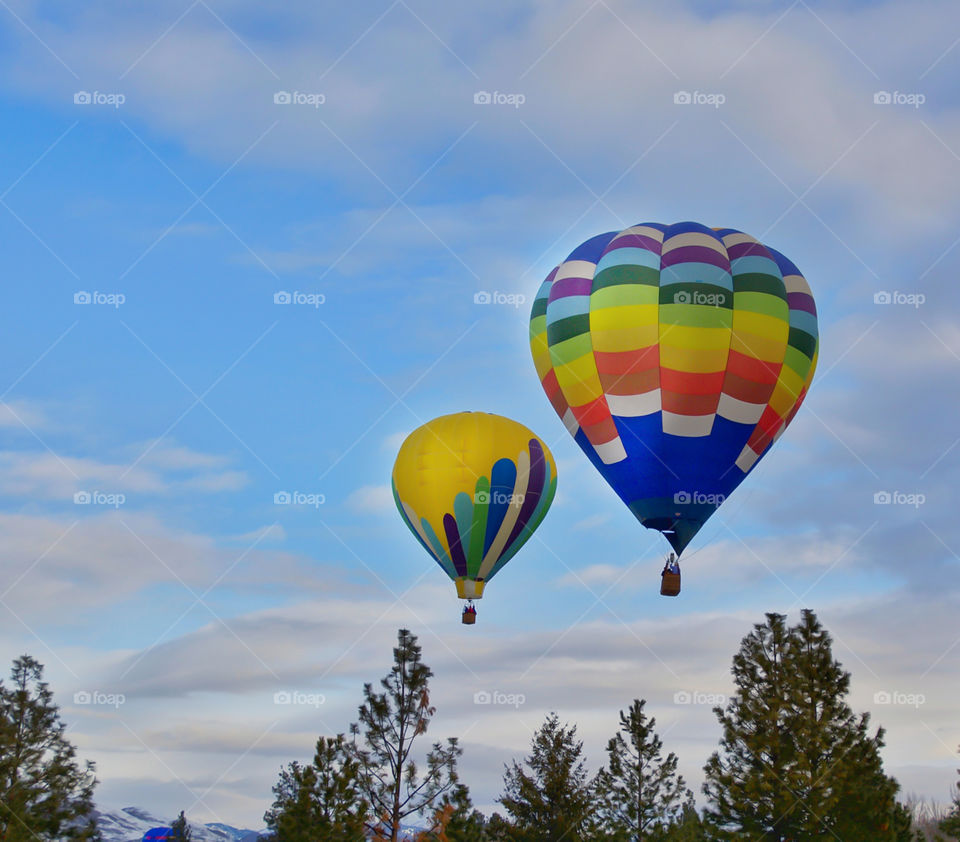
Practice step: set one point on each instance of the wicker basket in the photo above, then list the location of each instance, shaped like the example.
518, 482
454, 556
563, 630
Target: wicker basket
670, 584
469, 618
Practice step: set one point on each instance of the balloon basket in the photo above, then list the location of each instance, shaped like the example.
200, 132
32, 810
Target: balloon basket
670, 584
469, 617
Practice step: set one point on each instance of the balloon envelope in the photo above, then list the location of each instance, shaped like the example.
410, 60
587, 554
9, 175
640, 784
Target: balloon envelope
675, 355
472, 487
158, 834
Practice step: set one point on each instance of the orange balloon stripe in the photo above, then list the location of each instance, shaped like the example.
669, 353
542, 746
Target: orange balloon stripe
691, 383
680, 403
752, 369
555, 393
596, 421
591, 413
746, 389
629, 372
766, 429
622, 362
638, 383
603, 431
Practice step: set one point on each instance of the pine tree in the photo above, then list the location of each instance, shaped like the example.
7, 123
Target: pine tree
552, 801
455, 820
320, 800
390, 722
498, 829
951, 824
639, 793
688, 828
181, 829
795, 761
44, 793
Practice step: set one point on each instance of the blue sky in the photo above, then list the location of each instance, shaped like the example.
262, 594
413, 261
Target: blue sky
396, 199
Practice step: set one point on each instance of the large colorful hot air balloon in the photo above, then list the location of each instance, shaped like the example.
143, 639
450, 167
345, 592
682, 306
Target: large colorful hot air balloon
473, 487
675, 355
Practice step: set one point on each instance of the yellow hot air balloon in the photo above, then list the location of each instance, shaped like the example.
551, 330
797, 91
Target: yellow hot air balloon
472, 487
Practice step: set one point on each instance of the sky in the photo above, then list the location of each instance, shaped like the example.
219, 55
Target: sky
243, 246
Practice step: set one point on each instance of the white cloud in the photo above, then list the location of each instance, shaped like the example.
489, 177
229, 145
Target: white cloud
592, 522
223, 481
595, 574
173, 457
22, 414
202, 86
50, 476
60, 568
371, 499
271, 532
392, 443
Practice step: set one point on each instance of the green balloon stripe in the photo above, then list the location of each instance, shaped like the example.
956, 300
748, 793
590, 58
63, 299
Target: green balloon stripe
625, 274
568, 328
478, 529
763, 303
624, 296
463, 512
802, 341
760, 282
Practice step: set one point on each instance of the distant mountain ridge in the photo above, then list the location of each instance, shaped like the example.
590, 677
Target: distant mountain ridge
130, 823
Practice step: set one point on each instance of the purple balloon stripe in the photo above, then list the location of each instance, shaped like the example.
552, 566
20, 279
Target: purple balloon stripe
535, 483
695, 254
748, 250
635, 241
570, 286
456, 549
801, 301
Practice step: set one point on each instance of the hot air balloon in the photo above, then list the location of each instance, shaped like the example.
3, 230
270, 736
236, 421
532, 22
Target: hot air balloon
472, 487
675, 355
158, 834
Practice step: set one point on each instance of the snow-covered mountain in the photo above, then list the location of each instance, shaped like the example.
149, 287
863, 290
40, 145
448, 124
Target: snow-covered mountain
130, 823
